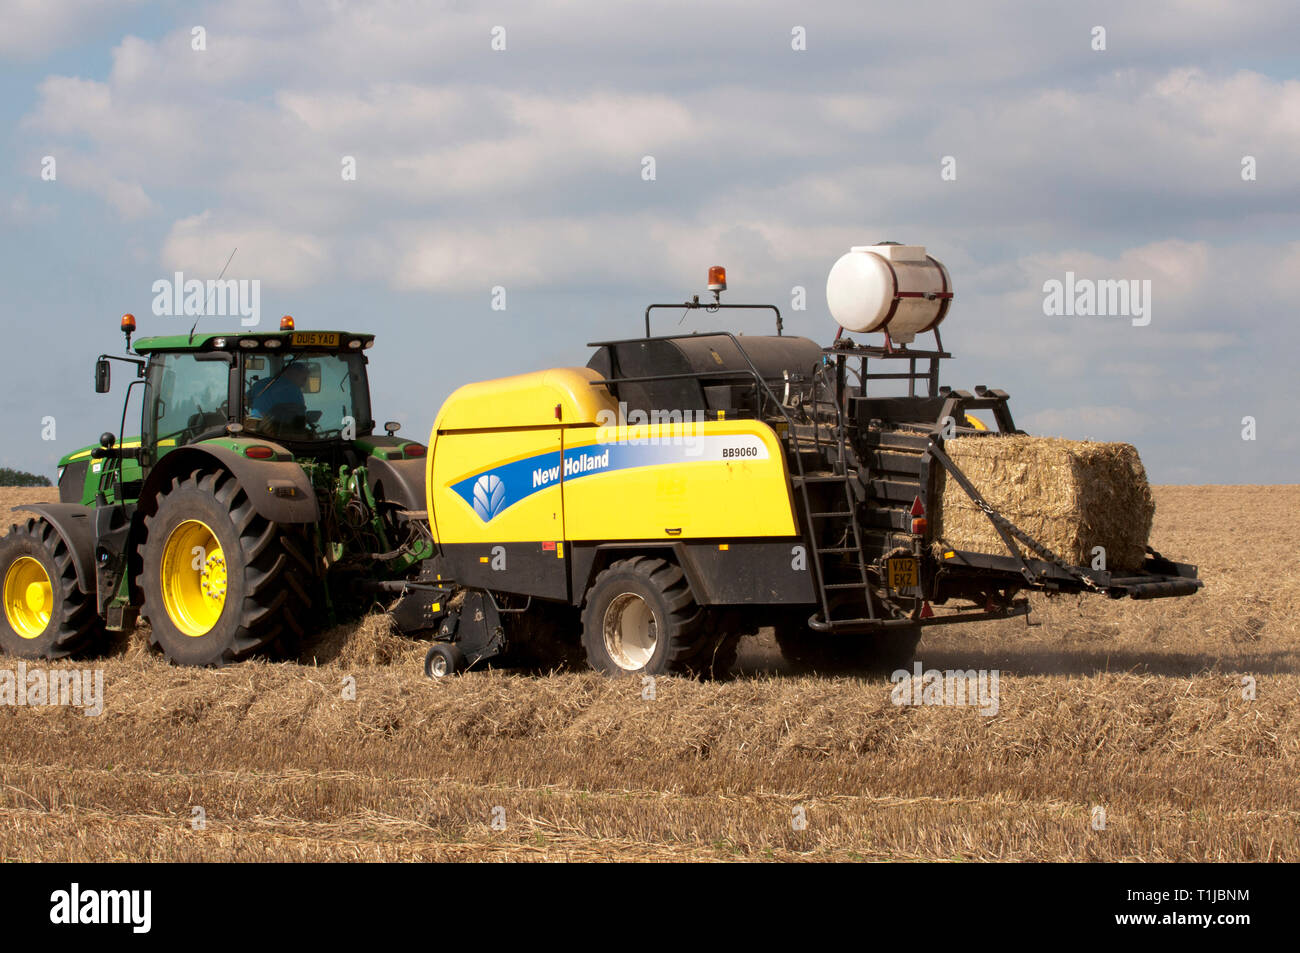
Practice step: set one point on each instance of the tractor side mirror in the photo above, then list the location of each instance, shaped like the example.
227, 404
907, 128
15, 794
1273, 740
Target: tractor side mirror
392, 427
103, 376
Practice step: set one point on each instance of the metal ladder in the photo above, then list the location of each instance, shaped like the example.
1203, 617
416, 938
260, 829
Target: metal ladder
764, 396
853, 531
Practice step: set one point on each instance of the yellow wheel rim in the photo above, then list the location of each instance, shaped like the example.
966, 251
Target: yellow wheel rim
193, 578
29, 597
975, 422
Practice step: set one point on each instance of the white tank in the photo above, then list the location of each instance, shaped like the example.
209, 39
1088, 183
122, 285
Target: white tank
894, 288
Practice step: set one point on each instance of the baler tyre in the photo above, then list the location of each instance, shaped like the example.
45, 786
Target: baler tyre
46, 615
443, 659
641, 619
809, 650
718, 645
717, 657
220, 581
891, 650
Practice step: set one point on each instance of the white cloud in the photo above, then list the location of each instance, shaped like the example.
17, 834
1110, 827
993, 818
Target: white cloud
1088, 422
33, 28
523, 168
200, 244
19, 209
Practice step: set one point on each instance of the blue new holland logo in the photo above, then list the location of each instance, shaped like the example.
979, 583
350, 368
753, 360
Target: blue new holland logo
489, 496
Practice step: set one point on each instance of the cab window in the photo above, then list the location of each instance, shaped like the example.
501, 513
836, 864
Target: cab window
187, 399
305, 396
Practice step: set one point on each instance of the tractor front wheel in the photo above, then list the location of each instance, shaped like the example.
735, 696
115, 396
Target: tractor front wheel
220, 581
46, 615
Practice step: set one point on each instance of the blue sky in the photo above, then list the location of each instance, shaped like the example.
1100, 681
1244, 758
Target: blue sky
522, 168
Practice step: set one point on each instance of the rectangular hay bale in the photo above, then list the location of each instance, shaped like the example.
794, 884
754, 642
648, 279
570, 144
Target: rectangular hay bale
1069, 495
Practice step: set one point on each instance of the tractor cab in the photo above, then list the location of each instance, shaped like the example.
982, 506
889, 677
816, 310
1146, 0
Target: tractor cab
301, 389
306, 393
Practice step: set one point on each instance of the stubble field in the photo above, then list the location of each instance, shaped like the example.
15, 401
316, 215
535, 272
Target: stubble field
1136, 708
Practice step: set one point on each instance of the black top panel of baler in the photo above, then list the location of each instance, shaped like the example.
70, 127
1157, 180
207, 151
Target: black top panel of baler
923, 411
702, 372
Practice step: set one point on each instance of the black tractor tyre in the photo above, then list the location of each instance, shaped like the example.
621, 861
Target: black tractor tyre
808, 650
267, 572
640, 618
73, 625
443, 659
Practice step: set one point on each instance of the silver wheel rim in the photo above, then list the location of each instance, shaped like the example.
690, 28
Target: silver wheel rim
631, 631
438, 667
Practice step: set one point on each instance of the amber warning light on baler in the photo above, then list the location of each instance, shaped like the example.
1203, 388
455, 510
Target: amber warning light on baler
717, 278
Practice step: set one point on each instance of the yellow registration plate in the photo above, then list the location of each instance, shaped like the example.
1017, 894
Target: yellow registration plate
315, 339
902, 572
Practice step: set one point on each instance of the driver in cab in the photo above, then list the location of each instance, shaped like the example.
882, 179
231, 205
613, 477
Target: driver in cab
279, 399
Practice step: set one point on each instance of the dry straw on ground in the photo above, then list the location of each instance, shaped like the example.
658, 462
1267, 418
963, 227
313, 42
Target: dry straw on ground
1069, 495
375, 640
1140, 708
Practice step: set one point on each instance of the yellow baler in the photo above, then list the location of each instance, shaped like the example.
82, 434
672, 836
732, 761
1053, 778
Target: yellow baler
541, 486
680, 491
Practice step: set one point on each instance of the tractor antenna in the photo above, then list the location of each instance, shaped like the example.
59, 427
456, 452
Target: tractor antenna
210, 290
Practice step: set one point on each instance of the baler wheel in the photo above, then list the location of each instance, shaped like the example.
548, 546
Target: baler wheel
811, 651
443, 659
640, 618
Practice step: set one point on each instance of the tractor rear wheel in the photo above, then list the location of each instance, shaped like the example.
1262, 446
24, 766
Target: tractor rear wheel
46, 615
641, 619
220, 581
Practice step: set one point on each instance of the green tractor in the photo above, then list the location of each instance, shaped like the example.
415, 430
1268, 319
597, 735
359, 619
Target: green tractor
256, 503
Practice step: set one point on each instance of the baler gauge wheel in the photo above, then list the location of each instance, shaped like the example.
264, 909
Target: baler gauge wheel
443, 659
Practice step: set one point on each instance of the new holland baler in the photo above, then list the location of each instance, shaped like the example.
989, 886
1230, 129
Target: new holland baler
681, 491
